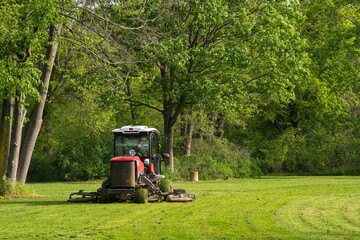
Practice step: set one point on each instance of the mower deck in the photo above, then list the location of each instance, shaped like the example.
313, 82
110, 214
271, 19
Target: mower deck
178, 195
85, 196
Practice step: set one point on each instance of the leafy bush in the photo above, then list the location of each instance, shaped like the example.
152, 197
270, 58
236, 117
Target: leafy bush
43, 169
216, 159
78, 160
10, 190
6, 187
83, 160
317, 152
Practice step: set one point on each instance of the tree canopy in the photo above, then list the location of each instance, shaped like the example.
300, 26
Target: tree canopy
274, 82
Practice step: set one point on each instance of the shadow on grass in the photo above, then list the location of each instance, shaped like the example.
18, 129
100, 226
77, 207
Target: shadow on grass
36, 202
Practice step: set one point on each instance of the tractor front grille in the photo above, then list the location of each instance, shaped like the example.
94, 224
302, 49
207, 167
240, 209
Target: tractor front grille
122, 174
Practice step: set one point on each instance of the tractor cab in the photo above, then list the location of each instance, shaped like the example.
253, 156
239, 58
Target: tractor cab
138, 141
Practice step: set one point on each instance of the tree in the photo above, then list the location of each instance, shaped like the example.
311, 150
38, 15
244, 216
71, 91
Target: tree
216, 50
309, 127
36, 118
25, 28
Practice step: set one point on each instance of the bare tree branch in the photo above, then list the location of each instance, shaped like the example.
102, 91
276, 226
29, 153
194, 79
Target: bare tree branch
107, 20
92, 52
136, 103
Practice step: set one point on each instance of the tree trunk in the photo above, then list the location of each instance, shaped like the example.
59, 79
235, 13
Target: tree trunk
49, 133
295, 117
15, 145
220, 125
168, 131
36, 117
190, 128
183, 133
170, 118
168, 145
183, 126
187, 126
171, 112
211, 132
5, 132
200, 132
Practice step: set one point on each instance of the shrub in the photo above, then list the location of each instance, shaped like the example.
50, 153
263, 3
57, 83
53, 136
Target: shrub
215, 159
10, 190
78, 160
6, 186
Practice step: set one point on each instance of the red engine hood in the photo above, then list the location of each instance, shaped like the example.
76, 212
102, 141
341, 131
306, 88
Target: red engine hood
139, 164
125, 159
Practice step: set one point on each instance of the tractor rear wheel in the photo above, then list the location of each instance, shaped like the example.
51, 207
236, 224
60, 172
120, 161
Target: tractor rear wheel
142, 195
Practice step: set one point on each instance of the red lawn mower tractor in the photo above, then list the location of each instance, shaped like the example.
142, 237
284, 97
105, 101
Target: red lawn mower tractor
135, 171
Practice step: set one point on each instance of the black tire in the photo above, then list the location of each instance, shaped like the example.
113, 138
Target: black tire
165, 185
142, 196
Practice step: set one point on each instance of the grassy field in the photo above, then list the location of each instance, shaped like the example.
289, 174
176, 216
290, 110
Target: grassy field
266, 208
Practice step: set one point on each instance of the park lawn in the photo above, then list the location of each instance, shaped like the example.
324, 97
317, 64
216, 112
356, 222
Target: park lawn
266, 208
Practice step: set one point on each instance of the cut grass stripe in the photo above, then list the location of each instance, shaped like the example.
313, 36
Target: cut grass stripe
267, 208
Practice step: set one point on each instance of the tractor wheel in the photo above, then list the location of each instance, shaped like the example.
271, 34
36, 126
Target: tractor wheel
142, 195
105, 196
165, 185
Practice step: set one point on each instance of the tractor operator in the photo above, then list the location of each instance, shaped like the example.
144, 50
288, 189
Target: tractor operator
140, 148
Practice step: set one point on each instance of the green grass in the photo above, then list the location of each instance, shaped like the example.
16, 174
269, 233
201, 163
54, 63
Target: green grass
267, 208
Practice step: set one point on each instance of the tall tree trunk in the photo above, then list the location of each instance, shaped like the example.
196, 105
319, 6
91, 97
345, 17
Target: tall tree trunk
183, 126
295, 117
187, 126
190, 128
170, 118
15, 144
220, 125
171, 112
211, 132
168, 145
49, 133
200, 131
168, 132
36, 118
5, 132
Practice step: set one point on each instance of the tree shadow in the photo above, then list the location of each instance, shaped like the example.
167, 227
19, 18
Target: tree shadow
34, 202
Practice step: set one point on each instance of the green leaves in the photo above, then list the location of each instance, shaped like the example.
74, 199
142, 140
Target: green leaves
23, 37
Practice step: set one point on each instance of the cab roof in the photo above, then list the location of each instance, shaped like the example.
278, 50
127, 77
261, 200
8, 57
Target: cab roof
135, 129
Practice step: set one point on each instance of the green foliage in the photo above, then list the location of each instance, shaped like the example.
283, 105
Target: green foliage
283, 73
23, 35
6, 186
43, 168
81, 159
85, 159
216, 159
315, 152
10, 190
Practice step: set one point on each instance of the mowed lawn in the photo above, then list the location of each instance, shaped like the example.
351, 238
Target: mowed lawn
266, 208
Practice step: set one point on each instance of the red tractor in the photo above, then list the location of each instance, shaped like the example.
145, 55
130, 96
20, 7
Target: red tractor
135, 171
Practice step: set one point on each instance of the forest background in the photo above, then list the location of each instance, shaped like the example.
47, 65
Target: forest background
237, 88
